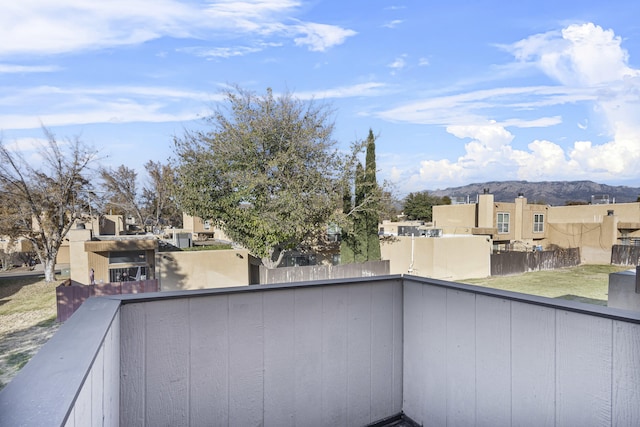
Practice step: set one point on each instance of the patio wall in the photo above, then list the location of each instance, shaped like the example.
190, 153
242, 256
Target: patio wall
74, 379
328, 354
489, 358
340, 353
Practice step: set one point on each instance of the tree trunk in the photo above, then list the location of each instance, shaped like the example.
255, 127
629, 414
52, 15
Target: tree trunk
49, 270
269, 262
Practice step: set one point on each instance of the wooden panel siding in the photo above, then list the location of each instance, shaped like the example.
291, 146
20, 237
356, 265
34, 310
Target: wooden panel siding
338, 352
516, 360
272, 357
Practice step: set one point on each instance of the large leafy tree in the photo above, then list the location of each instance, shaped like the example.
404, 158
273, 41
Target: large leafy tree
266, 170
419, 205
44, 198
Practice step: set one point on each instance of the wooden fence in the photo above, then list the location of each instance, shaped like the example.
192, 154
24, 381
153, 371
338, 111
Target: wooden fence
69, 297
505, 263
323, 272
625, 255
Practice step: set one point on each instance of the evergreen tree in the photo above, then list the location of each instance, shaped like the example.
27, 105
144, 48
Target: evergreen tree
359, 218
372, 193
360, 241
347, 255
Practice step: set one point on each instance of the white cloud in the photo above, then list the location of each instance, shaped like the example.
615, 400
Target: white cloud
221, 52
360, 89
38, 27
585, 55
112, 104
320, 37
589, 66
12, 68
399, 63
393, 24
423, 62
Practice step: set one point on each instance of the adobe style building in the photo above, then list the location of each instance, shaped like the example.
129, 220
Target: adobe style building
520, 226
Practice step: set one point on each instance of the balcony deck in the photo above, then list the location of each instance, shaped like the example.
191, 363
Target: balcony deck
351, 352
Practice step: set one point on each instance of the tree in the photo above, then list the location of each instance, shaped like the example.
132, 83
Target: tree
154, 205
419, 206
158, 195
371, 216
120, 186
360, 241
45, 195
266, 171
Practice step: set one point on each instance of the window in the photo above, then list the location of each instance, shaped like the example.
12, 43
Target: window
127, 257
503, 223
538, 223
127, 274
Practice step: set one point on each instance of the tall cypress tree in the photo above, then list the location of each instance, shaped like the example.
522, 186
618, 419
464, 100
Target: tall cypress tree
359, 218
347, 255
361, 242
372, 213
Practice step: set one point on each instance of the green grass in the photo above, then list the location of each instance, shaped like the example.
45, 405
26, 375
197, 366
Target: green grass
585, 283
27, 295
18, 359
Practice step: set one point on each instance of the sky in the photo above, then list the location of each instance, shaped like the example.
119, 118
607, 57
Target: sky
457, 92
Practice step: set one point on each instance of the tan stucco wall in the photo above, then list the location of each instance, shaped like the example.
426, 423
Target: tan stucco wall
203, 269
447, 258
626, 212
455, 219
78, 257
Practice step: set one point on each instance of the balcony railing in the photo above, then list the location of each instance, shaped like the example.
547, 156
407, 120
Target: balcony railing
343, 352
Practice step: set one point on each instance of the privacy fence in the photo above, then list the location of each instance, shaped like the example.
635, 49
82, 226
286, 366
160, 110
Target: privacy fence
625, 255
323, 272
70, 295
506, 263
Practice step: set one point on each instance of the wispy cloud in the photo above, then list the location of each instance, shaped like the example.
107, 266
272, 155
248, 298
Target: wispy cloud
220, 52
392, 24
320, 37
357, 90
112, 104
12, 68
35, 27
398, 64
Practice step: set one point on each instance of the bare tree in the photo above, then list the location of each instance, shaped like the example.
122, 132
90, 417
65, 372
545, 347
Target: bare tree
120, 186
158, 195
42, 198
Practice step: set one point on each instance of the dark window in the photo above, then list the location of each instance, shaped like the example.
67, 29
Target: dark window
127, 257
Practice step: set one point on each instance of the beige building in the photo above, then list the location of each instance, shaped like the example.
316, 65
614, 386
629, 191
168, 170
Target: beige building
202, 229
449, 257
115, 256
522, 226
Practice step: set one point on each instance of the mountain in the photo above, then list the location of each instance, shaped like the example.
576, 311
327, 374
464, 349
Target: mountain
556, 193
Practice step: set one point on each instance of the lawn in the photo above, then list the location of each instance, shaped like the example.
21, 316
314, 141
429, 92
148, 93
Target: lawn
27, 320
585, 283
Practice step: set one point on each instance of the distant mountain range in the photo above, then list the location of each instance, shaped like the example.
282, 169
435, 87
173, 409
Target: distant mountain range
556, 193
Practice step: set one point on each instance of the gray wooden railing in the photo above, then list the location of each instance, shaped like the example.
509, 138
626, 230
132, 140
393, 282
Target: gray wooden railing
341, 352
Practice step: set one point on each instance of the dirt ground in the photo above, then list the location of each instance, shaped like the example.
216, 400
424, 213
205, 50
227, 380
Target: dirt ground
27, 321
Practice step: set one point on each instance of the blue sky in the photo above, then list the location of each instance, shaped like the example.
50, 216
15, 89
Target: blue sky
458, 92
